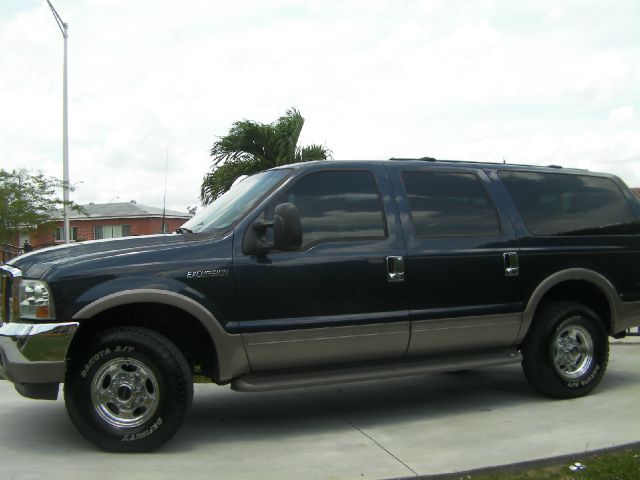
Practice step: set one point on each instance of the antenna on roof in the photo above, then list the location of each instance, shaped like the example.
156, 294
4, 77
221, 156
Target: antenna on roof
164, 200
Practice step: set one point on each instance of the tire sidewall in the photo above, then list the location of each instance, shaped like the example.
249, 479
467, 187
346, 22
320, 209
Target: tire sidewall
144, 437
589, 379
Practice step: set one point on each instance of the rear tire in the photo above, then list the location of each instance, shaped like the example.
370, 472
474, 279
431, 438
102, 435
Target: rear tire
128, 390
566, 351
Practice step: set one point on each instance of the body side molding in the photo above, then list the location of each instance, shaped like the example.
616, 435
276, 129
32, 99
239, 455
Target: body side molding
231, 357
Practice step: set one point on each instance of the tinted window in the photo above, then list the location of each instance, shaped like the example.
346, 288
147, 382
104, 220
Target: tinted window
337, 205
449, 204
562, 204
229, 207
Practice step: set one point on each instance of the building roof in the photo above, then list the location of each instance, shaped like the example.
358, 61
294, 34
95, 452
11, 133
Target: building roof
122, 210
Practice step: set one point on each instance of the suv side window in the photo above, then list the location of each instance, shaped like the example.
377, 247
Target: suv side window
337, 205
566, 204
450, 204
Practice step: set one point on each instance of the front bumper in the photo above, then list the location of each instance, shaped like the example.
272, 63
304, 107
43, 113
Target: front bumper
34, 353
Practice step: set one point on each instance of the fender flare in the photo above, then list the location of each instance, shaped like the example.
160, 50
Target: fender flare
231, 356
581, 274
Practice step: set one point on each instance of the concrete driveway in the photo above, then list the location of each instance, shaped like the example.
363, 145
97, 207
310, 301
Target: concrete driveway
415, 426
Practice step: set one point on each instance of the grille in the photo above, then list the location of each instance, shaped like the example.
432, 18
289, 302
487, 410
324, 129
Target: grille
7, 282
4, 296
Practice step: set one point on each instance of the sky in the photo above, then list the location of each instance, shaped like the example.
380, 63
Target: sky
544, 82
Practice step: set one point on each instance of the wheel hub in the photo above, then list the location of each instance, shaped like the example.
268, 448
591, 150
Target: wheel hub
569, 349
125, 392
573, 351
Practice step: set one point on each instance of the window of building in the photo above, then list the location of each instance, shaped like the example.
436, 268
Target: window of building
337, 205
564, 204
111, 231
450, 204
60, 234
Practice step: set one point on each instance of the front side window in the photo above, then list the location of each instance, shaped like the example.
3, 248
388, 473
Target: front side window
336, 205
449, 204
567, 204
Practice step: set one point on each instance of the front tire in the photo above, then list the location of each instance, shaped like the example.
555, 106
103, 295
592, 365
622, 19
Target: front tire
128, 389
566, 351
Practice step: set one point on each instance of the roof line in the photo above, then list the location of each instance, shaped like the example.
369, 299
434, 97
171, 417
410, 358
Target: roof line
129, 217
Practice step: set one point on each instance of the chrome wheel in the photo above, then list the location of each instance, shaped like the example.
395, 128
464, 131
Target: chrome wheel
125, 392
573, 352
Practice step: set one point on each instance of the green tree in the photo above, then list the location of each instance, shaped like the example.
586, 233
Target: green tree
28, 201
251, 147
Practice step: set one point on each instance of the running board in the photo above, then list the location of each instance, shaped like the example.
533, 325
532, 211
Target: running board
325, 375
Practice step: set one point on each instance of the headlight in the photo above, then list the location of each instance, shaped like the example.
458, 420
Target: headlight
34, 300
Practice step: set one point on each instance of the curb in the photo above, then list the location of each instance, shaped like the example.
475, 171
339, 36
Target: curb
519, 466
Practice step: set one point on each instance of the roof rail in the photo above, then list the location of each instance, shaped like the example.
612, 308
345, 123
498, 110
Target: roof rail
424, 159
431, 159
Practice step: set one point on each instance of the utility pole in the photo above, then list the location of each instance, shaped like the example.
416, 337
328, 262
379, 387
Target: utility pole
164, 201
65, 131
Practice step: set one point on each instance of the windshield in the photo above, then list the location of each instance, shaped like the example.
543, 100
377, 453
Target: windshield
235, 203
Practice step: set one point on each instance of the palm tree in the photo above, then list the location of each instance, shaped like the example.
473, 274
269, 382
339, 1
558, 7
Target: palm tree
251, 147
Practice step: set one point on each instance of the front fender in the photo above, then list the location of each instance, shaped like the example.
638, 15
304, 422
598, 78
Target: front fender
231, 356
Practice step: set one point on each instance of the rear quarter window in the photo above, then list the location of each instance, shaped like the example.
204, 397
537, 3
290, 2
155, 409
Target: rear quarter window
567, 204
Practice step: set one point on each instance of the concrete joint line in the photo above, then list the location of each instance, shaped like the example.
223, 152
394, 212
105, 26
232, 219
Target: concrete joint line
331, 409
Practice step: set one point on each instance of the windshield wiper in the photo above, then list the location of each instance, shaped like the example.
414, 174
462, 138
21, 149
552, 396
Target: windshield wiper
183, 230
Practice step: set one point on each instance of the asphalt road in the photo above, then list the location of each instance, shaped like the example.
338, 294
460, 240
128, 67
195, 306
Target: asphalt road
414, 426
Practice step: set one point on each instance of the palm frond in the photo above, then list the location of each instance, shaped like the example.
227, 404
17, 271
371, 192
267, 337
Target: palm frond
220, 180
251, 147
245, 140
313, 152
287, 133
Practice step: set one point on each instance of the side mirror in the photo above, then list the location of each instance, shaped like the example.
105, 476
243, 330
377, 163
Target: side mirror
287, 232
287, 227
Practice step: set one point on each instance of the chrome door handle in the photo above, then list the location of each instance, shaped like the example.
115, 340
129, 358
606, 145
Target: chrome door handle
395, 269
511, 264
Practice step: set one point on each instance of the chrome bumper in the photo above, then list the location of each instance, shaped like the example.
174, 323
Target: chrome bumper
35, 353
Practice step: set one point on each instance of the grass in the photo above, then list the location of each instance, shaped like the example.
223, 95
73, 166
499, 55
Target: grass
619, 465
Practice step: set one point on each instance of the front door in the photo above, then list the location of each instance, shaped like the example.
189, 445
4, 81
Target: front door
334, 300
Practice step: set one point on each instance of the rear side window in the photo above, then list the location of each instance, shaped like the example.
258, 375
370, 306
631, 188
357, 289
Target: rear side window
563, 204
450, 204
337, 205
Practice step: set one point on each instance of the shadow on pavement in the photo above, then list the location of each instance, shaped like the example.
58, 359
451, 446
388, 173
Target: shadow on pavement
231, 416
220, 415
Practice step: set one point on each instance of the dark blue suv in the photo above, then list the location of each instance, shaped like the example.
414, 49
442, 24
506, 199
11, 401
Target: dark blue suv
326, 272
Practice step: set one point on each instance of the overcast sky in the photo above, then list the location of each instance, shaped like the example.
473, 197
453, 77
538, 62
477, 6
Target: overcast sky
544, 82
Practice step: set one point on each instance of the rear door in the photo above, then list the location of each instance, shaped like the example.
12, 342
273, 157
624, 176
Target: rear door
332, 300
462, 257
